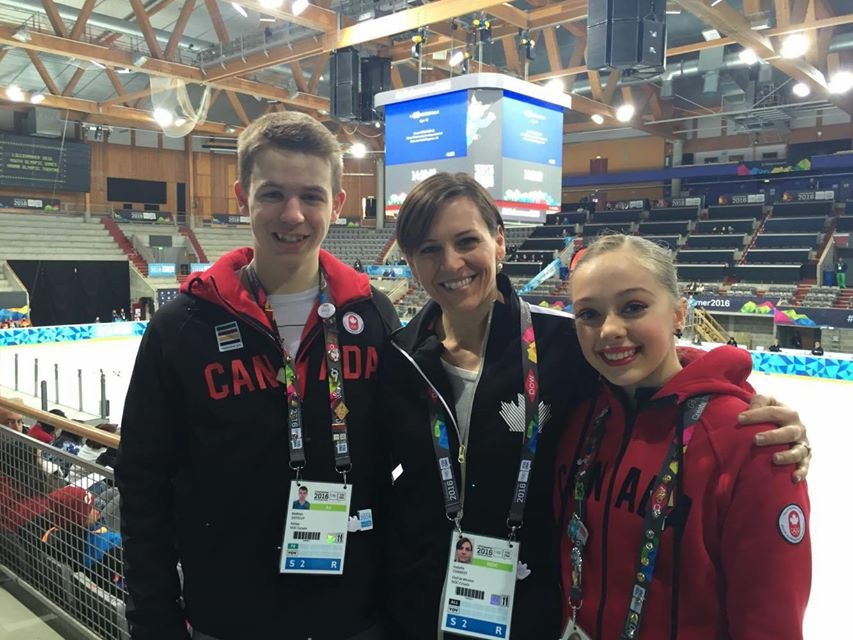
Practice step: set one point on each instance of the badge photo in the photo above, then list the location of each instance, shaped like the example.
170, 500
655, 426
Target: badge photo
353, 323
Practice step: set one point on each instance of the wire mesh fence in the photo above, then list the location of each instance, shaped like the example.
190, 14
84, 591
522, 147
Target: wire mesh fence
59, 528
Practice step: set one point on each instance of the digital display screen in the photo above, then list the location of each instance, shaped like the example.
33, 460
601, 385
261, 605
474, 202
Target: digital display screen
532, 131
426, 129
40, 163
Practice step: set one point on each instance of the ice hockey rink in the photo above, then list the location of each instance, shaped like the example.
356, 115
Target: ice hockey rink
825, 406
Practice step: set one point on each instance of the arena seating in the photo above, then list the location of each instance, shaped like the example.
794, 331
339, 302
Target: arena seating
800, 209
778, 256
735, 226
618, 215
593, 229
652, 228
736, 212
703, 272
699, 241
54, 237
706, 256
669, 214
819, 297
570, 217
672, 242
805, 224
768, 273
786, 240
844, 224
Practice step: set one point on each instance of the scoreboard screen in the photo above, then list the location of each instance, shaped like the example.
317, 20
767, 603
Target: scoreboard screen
42, 163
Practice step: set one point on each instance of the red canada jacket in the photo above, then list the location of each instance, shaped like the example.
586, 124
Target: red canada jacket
735, 557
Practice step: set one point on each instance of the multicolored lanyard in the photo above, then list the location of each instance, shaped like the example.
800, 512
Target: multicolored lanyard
530, 435
662, 502
337, 404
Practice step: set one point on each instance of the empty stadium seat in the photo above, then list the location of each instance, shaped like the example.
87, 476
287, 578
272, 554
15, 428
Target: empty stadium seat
619, 215
732, 241
800, 209
655, 228
666, 214
591, 229
778, 256
786, 240
702, 272
736, 212
766, 273
698, 256
737, 226
795, 225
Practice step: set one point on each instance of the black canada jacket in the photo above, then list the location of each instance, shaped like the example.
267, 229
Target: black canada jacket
419, 532
203, 463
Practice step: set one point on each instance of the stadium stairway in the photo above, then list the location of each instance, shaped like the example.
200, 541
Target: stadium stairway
843, 299
196, 245
125, 245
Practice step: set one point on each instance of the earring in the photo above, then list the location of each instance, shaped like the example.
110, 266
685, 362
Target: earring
500, 266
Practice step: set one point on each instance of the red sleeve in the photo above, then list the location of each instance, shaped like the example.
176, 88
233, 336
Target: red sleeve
765, 544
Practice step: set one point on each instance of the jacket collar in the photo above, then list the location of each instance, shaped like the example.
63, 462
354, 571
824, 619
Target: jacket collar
419, 333
224, 285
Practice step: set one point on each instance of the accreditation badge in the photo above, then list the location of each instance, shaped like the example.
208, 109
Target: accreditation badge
480, 586
574, 632
315, 533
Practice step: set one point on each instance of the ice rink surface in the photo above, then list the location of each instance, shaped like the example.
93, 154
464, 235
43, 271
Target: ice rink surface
825, 406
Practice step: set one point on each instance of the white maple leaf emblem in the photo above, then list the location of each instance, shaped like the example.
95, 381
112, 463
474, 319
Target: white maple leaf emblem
513, 414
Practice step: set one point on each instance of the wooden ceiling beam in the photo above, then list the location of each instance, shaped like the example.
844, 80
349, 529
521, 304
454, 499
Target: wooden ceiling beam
72, 83
178, 29
314, 17
127, 97
80, 25
513, 62
610, 88
299, 77
54, 18
116, 82
238, 108
730, 21
510, 15
552, 48
595, 85
783, 12
216, 19
43, 42
317, 68
144, 23
42, 71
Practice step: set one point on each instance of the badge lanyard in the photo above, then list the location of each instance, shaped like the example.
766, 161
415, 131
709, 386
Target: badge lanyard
530, 436
661, 505
337, 405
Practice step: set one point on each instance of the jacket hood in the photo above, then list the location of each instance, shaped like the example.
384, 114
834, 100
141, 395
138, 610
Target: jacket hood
222, 285
723, 370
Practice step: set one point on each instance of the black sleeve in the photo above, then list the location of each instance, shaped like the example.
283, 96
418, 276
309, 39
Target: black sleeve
145, 469
386, 310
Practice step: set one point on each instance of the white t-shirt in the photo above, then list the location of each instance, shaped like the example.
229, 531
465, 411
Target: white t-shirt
291, 311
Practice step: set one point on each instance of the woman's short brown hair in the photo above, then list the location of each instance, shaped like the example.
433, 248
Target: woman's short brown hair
291, 131
421, 206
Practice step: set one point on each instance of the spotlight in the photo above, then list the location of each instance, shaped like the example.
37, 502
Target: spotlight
14, 93
597, 118
529, 44
298, 6
801, 90
457, 58
140, 60
555, 85
239, 10
794, 46
358, 150
271, 4
748, 56
417, 43
37, 98
625, 112
841, 82
22, 34
163, 117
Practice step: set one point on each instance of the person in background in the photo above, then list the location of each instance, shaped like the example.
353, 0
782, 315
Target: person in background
11, 418
44, 432
817, 350
702, 538
796, 340
841, 273
254, 364
775, 347
731, 341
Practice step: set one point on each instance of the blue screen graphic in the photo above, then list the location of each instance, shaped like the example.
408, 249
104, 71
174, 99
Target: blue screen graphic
532, 131
427, 129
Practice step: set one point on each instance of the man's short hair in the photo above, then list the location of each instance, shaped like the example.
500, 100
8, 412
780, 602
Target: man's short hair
290, 131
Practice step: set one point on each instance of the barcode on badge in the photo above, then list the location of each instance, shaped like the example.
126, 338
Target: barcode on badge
465, 592
306, 535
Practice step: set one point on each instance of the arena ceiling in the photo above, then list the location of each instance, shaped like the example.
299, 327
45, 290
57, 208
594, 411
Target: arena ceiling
94, 59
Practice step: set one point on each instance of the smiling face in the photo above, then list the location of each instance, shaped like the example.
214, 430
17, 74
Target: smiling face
625, 321
457, 261
291, 204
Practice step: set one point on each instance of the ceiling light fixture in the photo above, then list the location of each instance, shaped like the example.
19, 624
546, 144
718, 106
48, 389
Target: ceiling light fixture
180, 122
358, 150
597, 118
556, 85
163, 117
240, 10
748, 56
37, 98
14, 93
794, 45
801, 90
22, 34
266, 19
457, 57
716, 2
841, 82
271, 4
298, 6
711, 34
99, 65
140, 60
625, 112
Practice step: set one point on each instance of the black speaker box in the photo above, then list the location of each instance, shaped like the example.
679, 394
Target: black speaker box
626, 34
344, 78
375, 78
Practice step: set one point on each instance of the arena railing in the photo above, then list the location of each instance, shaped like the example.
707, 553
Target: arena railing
59, 537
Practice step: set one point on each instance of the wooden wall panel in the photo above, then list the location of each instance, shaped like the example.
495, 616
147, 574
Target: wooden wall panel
66, 198
633, 154
359, 181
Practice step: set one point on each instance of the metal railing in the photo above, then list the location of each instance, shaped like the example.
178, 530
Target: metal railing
59, 522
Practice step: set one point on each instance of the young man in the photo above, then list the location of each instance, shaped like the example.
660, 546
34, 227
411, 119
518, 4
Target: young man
259, 374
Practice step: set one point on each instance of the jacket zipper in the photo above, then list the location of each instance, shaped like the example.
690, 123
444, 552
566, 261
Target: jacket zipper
630, 419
